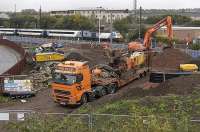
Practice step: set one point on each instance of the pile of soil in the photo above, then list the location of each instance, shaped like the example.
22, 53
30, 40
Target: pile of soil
76, 56
183, 85
93, 56
96, 56
196, 61
169, 59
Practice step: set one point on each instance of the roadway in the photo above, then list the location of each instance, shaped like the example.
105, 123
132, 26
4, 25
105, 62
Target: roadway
8, 58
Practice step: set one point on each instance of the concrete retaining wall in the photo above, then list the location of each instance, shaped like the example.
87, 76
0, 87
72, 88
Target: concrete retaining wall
18, 67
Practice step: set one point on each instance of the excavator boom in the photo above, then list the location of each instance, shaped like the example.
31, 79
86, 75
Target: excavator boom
135, 46
164, 22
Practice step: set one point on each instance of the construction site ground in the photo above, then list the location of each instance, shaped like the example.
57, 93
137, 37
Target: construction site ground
168, 60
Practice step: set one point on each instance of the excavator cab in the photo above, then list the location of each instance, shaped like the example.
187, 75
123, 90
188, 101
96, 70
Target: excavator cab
136, 46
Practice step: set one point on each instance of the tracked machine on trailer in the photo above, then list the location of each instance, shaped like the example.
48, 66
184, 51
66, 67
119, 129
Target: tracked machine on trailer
75, 83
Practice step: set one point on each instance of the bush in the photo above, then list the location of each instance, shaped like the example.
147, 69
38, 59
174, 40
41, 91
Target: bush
100, 123
165, 40
195, 46
48, 123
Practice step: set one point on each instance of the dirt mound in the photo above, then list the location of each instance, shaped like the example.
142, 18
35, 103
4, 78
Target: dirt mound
76, 56
181, 86
169, 59
196, 61
94, 56
184, 85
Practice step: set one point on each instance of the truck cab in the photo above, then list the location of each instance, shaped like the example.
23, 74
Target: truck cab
71, 83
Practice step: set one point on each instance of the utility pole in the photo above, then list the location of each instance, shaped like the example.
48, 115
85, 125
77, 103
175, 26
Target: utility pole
140, 22
135, 7
99, 30
99, 24
40, 17
111, 27
15, 8
15, 15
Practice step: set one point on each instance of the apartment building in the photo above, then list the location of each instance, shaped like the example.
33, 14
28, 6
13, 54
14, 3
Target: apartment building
96, 13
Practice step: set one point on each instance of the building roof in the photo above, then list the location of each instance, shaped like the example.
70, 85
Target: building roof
183, 28
94, 9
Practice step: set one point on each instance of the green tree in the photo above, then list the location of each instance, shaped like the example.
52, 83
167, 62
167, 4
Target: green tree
129, 28
29, 12
78, 22
2, 22
48, 22
195, 23
132, 35
23, 21
59, 24
177, 19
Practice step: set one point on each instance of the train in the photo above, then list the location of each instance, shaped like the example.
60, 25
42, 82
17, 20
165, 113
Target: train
62, 34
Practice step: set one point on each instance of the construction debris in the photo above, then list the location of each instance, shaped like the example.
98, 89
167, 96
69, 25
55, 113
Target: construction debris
42, 75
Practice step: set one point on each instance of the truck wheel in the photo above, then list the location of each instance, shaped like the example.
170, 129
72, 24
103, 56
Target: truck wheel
145, 73
103, 92
141, 75
112, 88
84, 99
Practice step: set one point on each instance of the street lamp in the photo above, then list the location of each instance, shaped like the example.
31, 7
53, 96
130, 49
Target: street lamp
111, 26
99, 29
99, 23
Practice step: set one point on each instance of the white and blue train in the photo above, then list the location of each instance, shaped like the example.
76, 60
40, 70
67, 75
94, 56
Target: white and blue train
68, 34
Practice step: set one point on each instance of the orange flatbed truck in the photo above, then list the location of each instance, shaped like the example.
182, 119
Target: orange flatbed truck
75, 83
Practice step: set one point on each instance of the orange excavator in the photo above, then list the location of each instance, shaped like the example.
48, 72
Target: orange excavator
137, 46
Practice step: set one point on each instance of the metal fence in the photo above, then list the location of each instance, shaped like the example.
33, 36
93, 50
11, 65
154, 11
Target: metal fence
60, 122
193, 53
38, 41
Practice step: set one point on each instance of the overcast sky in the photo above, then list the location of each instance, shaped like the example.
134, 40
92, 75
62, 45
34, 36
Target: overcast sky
48, 5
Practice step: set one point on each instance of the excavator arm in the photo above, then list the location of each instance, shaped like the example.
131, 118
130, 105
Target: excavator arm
164, 22
137, 46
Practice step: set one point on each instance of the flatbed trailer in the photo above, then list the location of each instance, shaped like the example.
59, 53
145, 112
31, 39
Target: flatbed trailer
76, 83
109, 85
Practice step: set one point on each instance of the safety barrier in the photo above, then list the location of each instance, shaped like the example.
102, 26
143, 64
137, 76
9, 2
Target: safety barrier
159, 77
193, 53
38, 41
59, 122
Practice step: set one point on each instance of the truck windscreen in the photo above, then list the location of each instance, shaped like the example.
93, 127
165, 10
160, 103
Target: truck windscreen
65, 78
